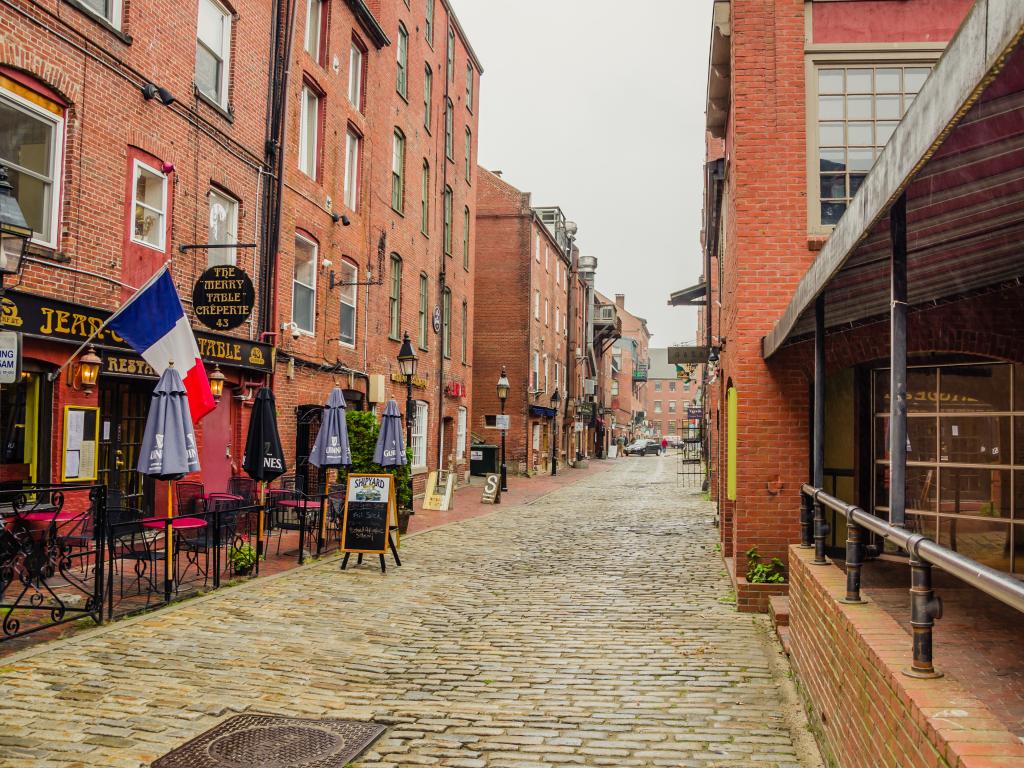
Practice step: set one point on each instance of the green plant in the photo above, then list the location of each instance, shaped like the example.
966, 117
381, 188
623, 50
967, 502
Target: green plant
242, 557
362, 439
773, 572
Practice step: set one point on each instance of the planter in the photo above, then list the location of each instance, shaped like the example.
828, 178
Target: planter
403, 520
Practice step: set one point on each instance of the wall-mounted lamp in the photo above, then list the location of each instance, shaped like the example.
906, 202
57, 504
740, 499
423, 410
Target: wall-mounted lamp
216, 383
336, 217
151, 91
86, 371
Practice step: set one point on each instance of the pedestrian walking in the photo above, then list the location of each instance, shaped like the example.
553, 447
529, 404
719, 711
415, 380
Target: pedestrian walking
664, 444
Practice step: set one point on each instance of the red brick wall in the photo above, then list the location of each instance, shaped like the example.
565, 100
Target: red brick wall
849, 661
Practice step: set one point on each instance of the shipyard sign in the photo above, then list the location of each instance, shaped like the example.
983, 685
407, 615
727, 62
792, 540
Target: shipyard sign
223, 297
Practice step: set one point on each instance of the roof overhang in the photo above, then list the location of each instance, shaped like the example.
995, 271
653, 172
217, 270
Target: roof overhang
719, 69
693, 296
958, 154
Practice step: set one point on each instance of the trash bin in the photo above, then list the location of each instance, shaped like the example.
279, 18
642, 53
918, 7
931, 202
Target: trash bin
483, 459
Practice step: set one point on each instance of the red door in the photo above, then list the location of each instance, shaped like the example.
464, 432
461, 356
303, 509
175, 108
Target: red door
216, 451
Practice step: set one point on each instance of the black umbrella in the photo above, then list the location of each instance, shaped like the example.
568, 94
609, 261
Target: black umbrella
263, 460
390, 449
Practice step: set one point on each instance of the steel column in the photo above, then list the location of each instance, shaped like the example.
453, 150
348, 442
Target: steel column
898, 364
821, 527
854, 561
925, 607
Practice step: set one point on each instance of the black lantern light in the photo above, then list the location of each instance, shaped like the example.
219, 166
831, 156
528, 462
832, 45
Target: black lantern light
15, 232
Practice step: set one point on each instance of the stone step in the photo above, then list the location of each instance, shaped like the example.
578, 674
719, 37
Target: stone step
783, 633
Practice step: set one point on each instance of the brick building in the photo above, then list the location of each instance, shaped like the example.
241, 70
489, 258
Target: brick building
668, 397
628, 374
522, 288
377, 236
124, 143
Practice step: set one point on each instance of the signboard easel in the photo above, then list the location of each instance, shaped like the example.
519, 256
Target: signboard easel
370, 515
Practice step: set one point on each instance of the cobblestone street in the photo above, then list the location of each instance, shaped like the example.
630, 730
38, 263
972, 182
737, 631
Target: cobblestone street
594, 626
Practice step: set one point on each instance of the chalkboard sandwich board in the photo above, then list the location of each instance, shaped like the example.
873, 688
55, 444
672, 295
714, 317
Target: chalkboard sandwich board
369, 510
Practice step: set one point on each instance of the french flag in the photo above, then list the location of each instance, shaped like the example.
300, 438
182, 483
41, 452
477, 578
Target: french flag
154, 324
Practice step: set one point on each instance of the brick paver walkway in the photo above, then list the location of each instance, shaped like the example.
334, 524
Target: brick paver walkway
593, 627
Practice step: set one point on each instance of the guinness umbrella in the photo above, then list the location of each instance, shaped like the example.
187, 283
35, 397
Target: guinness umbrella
168, 449
263, 459
390, 450
331, 448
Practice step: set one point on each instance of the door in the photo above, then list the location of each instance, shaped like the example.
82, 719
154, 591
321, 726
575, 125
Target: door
124, 405
308, 418
216, 448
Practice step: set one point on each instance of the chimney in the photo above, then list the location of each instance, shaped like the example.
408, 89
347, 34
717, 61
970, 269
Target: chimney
620, 300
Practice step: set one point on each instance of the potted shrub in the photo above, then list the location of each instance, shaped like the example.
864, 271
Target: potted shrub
362, 439
243, 558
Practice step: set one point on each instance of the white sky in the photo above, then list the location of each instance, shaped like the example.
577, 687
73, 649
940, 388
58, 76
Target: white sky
598, 107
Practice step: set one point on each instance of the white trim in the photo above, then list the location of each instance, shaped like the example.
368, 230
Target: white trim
316, 255
419, 432
225, 70
355, 303
351, 180
113, 20
303, 141
460, 433
136, 164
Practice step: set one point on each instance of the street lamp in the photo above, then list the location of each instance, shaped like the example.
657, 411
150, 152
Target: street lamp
556, 399
407, 361
14, 230
503, 388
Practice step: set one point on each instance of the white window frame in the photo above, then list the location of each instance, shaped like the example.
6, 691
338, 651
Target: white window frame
547, 312
353, 150
402, 62
355, 76
460, 434
419, 435
398, 171
536, 305
470, 74
671, 406
222, 256
536, 246
225, 70
314, 29
558, 319
116, 9
547, 258
56, 167
316, 256
535, 371
353, 278
547, 373
136, 166
428, 96
304, 118
657, 406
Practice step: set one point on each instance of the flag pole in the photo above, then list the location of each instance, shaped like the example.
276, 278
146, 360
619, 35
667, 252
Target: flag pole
52, 375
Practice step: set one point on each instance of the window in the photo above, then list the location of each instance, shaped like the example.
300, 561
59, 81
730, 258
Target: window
309, 131
547, 312
33, 160
419, 436
304, 284
547, 258
558, 272
451, 54
428, 87
446, 322
395, 299
671, 427
460, 435
108, 10
671, 406
448, 221
398, 172
149, 203
657, 406
558, 319
430, 23
465, 238
469, 155
536, 246
449, 141
671, 386
465, 332
213, 47
547, 378
402, 79
469, 86
315, 18
557, 366
615, 387
858, 110
424, 311
535, 372
223, 228
352, 153
425, 200
355, 76
536, 305
657, 386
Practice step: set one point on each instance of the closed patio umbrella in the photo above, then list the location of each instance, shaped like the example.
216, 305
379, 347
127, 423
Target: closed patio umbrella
331, 447
390, 449
263, 460
168, 450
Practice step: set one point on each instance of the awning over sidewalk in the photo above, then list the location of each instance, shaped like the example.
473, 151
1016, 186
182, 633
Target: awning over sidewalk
540, 410
958, 155
695, 295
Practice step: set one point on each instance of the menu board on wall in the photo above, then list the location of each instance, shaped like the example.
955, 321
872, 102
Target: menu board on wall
81, 440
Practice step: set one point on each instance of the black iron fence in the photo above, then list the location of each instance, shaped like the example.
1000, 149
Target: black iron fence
65, 555
925, 605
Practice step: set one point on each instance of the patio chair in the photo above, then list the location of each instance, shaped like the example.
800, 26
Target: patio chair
130, 541
335, 510
244, 487
190, 497
293, 518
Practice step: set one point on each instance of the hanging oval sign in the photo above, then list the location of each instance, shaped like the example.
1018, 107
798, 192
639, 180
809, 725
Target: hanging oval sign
223, 297
437, 319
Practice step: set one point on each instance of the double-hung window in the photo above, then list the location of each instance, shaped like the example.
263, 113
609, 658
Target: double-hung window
446, 322
213, 50
449, 121
460, 434
108, 10
465, 332
348, 295
309, 131
398, 171
469, 86
671, 406
536, 305
465, 238
547, 312
657, 406
425, 200
419, 436
424, 311
428, 87
451, 54
469, 156
149, 206
315, 18
395, 299
352, 151
31, 148
429, 26
355, 76
402, 79
223, 228
858, 108
304, 284
448, 221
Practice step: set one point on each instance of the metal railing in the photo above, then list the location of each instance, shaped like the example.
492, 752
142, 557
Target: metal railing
924, 553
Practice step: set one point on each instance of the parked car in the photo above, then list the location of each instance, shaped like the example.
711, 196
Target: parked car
643, 447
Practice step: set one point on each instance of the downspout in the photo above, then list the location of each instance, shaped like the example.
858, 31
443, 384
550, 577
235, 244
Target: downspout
441, 278
570, 351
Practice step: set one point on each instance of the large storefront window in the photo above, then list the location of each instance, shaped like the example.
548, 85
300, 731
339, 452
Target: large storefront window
965, 458
19, 420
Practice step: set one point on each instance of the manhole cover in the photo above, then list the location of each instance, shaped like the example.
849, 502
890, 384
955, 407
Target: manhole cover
269, 741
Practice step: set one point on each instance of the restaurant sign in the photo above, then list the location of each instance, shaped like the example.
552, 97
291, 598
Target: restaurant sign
223, 297
39, 317
417, 381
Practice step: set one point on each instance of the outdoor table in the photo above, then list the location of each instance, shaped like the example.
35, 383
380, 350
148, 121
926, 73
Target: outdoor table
217, 496
181, 523
299, 503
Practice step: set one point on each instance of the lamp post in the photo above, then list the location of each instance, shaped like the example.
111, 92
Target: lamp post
556, 400
14, 230
407, 361
503, 388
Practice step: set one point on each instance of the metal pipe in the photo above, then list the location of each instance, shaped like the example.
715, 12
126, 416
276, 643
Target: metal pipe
898, 364
821, 527
925, 607
854, 561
